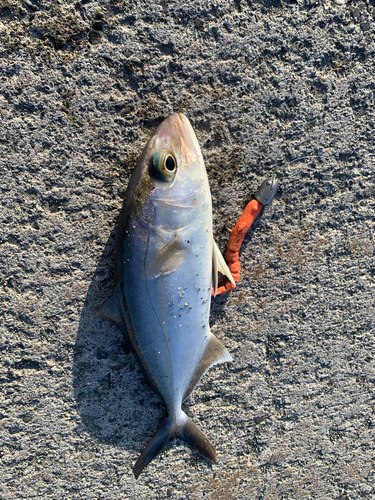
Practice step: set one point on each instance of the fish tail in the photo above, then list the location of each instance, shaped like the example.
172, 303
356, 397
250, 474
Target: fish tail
156, 444
170, 428
193, 436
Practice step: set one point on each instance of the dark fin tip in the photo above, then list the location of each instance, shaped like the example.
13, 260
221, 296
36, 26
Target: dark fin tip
193, 436
154, 446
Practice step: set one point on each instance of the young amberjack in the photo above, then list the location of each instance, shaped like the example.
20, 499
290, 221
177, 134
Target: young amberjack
165, 265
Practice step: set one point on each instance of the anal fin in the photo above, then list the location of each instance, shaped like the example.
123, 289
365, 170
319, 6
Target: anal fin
214, 353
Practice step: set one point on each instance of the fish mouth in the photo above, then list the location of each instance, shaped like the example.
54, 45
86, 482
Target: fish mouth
178, 133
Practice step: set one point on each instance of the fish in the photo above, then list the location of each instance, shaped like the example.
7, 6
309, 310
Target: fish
166, 263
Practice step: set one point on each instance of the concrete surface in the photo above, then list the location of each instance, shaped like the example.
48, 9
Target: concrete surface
284, 87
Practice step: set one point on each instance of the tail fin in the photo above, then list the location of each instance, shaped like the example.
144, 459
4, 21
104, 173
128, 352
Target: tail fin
170, 428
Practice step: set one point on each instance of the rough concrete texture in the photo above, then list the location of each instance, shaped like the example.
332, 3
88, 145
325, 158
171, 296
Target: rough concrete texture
282, 87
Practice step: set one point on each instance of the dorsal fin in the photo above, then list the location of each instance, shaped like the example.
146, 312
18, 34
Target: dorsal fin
109, 312
214, 353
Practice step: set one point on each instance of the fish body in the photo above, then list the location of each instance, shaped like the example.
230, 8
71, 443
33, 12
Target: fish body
164, 261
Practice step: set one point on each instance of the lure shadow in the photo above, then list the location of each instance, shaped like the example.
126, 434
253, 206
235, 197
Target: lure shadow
115, 403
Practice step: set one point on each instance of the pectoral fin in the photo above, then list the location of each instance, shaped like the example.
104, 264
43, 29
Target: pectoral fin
168, 259
214, 353
219, 264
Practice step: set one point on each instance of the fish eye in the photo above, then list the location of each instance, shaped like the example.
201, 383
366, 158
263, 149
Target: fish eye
170, 163
163, 166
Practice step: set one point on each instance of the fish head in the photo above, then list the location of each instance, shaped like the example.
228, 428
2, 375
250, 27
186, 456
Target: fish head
171, 169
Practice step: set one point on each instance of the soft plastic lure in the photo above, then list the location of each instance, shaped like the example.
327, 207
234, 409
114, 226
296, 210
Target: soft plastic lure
263, 196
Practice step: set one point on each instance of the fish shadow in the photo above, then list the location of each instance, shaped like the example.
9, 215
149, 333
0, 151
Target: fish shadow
115, 403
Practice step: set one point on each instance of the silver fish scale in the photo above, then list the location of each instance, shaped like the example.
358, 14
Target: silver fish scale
172, 336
